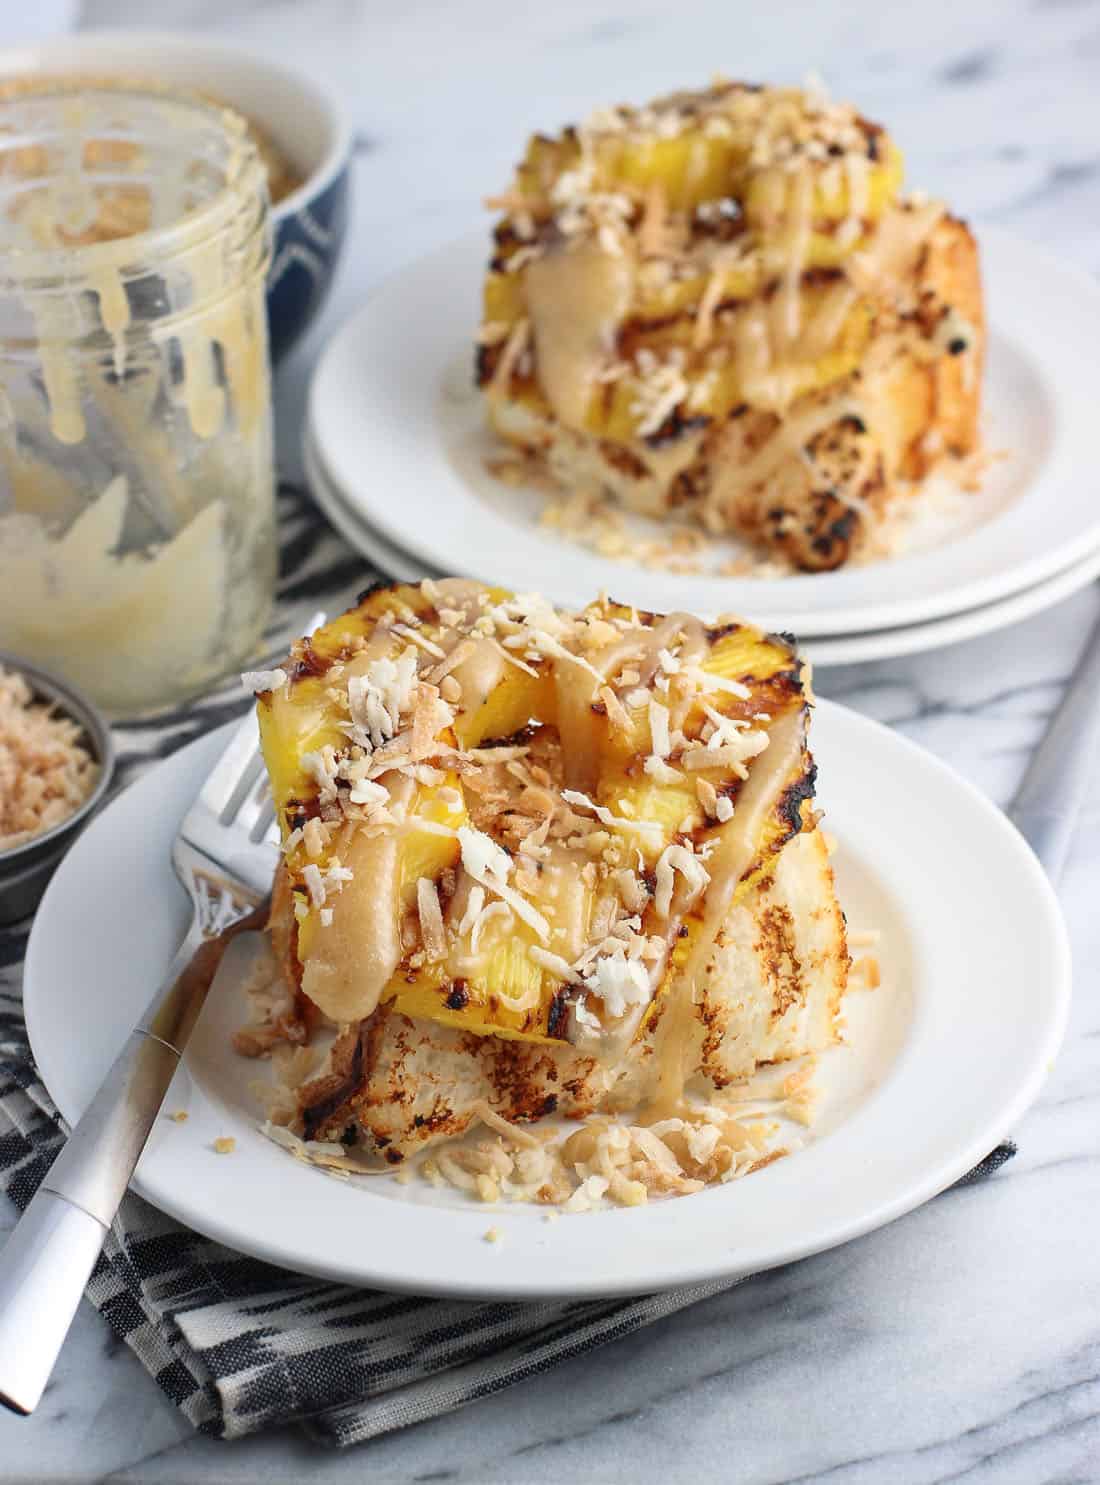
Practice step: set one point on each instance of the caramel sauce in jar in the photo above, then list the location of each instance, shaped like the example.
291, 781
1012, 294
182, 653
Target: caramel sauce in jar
137, 543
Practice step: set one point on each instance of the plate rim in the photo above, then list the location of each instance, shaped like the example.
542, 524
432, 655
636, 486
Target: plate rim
347, 522
1050, 1028
896, 611
823, 650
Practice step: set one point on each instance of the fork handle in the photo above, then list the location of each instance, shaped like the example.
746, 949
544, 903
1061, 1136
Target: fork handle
48, 1258
47, 1261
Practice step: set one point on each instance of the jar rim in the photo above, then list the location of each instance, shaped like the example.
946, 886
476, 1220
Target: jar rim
245, 182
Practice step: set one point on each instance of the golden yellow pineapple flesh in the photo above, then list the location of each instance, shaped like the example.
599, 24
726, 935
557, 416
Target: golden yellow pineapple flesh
520, 822
659, 272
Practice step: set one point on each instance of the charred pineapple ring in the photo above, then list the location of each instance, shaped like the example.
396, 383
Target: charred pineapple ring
635, 254
673, 284
520, 822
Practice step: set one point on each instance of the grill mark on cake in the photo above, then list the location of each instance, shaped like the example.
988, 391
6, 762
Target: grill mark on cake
835, 541
776, 947
316, 1114
622, 459
438, 1121
517, 1074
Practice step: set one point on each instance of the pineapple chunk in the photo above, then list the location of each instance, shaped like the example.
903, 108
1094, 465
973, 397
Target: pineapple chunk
502, 299
833, 197
425, 852
508, 922
514, 699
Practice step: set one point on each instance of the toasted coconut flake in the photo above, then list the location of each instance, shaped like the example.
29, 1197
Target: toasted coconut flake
659, 729
697, 760
631, 890
514, 348
677, 858
707, 797
864, 938
315, 837
617, 714
315, 885
706, 680
433, 933
474, 905
261, 682
663, 772
461, 653
553, 962
868, 967
414, 636
488, 1116
619, 982
710, 300
488, 913
620, 822
512, 659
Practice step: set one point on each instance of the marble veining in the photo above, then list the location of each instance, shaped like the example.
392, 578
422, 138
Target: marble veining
962, 1343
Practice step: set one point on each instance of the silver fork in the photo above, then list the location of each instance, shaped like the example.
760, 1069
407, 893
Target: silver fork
225, 856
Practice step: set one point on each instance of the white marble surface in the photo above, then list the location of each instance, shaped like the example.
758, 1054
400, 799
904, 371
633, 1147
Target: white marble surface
964, 1341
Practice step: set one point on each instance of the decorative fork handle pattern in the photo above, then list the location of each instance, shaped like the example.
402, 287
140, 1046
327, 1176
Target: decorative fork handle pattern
48, 1258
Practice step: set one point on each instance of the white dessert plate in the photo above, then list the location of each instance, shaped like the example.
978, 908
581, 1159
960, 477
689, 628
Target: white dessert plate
400, 427
843, 649
941, 1060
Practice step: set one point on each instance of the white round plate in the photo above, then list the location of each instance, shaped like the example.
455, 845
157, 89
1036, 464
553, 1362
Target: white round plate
942, 1059
934, 634
400, 428
379, 552
821, 650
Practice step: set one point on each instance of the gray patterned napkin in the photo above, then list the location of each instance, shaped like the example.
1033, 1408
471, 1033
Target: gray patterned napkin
237, 1344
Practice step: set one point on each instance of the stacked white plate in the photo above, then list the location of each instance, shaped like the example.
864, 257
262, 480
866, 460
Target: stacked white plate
396, 451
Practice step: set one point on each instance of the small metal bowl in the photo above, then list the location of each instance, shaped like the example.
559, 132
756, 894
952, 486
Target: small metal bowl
25, 869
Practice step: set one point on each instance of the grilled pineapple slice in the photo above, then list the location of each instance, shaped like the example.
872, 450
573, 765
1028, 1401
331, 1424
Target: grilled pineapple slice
659, 272
521, 823
701, 147
662, 288
778, 974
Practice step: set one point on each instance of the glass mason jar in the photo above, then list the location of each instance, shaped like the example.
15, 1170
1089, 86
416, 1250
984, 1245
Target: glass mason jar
137, 541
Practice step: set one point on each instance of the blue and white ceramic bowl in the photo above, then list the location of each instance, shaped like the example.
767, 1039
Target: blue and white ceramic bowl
299, 113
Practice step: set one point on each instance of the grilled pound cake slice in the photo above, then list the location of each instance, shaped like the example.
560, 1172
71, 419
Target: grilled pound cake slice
537, 862
772, 992
721, 306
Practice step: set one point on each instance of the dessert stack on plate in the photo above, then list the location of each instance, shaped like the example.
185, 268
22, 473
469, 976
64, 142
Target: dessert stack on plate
725, 363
